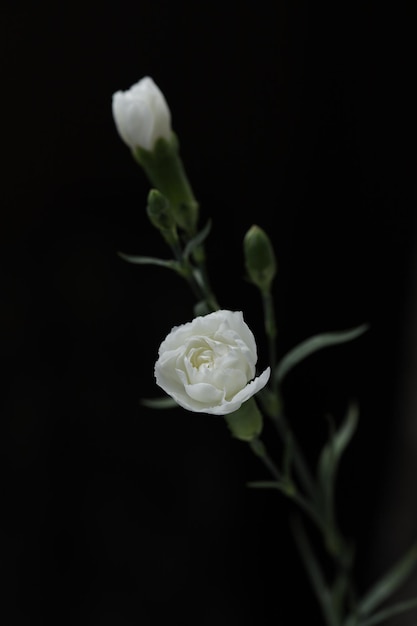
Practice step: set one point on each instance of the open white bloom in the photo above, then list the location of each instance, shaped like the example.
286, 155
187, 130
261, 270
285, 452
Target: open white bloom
208, 364
141, 114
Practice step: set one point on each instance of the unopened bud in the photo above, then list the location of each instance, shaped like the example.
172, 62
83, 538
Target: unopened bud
260, 259
161, 216
141, 115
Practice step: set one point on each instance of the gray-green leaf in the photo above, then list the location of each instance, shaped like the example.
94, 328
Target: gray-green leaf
389, 583
197, 240
264, 484
159, 403
313, 344
148, 260
332, 452
390, 611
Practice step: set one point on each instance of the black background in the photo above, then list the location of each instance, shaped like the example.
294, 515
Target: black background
296, 116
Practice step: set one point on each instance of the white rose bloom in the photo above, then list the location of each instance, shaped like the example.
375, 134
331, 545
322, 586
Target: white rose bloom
208, 364
141, 114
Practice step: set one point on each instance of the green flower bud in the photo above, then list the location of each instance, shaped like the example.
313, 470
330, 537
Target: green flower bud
159, 211
260, 259
161, 216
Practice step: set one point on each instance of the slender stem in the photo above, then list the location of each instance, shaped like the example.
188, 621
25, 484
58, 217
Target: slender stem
315, 574
300, 464
271, 333
284, 484
201, 278
259, 449
308, 509
333, 602
279, 420
199, 288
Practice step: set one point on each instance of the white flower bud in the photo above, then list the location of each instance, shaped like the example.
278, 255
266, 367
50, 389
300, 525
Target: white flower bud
141, 115
208, 365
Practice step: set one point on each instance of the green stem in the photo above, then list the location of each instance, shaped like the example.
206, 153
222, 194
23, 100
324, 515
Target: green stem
188, 273
315, 575
284, 484
197, 278
271, 333
333, 607
333, 602
201, 278
258, 448
300, 464
278, 419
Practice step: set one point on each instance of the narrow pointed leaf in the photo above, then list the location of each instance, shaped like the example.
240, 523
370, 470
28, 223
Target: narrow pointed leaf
197, 240
315, 574
391, 611
159, 403
264, 484
389, 583
313, 344
332, 451
148, 260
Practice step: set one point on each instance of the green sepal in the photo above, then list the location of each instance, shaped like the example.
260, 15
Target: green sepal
312, 345
159, 403
271, 402
246, 423
165, 171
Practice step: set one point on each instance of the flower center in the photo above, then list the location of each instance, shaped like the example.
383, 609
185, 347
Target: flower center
202, 357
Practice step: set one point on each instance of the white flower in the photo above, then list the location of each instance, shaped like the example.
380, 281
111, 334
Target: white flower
141, 114
208, 364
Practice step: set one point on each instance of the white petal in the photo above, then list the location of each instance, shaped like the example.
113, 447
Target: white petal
253, 387
204, 393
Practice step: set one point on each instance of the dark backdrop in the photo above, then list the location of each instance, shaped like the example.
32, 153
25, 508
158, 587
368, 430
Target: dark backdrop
296, 116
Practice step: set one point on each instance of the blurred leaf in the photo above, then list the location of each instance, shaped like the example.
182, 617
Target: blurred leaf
315, 573
264, 484
159, 403
389, 583
332, 452
197, 240
283, 486
201, 308
391, 611
148, 260
313, 344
